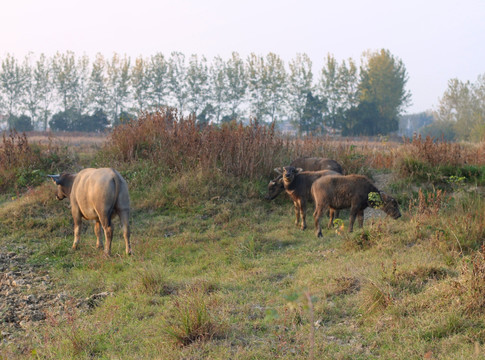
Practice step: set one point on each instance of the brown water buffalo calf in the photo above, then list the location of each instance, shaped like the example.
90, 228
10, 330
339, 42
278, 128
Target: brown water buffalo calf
298, 184
347, 192
276, 187
96, 194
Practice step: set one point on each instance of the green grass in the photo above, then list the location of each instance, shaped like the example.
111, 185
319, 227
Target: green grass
219, 273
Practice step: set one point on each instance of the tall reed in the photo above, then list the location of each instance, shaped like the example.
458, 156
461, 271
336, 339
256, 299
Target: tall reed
180, 143
23, 164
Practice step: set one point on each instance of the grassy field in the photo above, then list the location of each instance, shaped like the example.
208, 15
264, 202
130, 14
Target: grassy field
220, 273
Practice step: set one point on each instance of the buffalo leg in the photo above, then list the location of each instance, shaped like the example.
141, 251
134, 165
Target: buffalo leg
124, 217
353, 213
303, 214
76, 215
97, 231
108, 234
297, 213
331, 216
317, 214
360, 218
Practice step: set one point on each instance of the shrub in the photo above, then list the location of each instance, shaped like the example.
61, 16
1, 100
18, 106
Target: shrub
23, 165
179, 143
436, 152
437, 129
428, 202
20, 123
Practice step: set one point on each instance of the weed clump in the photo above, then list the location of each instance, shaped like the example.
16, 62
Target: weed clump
475, 282
25, 165
192, 318
151, 280
429, 160
180, 143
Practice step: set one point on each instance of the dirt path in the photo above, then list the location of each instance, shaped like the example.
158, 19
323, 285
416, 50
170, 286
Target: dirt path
28, 296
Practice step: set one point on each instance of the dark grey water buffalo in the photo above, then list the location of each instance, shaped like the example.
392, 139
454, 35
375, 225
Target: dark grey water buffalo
348, 192
96, 194
276, 186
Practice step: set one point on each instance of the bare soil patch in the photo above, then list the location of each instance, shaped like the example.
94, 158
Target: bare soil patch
28, 296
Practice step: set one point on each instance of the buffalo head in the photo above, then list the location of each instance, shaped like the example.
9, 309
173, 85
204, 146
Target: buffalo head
288, 173
390, 206
64, 184
275, 187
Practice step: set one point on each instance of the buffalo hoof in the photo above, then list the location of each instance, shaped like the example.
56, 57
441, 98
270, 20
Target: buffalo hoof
319, 234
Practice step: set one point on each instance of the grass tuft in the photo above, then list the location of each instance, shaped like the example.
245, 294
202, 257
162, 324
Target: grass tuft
152, 280
192, 319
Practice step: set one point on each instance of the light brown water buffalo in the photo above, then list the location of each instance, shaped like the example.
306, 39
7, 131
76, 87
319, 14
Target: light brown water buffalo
96, 194
276, 186
298, 185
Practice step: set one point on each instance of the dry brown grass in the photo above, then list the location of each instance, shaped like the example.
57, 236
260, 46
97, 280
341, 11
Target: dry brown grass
15, 150
178, 143
444, 153
192, 318
428, 203
475, 276
23, 164
67, 138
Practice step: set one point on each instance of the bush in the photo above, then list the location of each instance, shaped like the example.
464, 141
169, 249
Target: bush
23, 165
178, 143
72, 120
439, 130
20, 123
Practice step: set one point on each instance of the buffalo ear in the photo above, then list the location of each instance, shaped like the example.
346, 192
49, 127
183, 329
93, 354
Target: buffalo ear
299, 170
279, 170
55, 178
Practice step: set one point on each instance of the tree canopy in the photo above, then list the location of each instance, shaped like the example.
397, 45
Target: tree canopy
344, 98
382, 96
462, 109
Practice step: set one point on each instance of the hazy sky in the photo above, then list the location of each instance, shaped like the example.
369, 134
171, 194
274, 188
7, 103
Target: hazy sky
436, 40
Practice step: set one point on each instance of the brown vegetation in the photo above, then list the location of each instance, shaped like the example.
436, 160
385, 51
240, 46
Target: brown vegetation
23, 164
179, 143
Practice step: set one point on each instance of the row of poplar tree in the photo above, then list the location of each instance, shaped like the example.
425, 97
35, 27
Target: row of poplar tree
66, 92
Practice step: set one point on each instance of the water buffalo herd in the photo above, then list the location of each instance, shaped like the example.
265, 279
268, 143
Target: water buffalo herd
98, 194
322, 181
